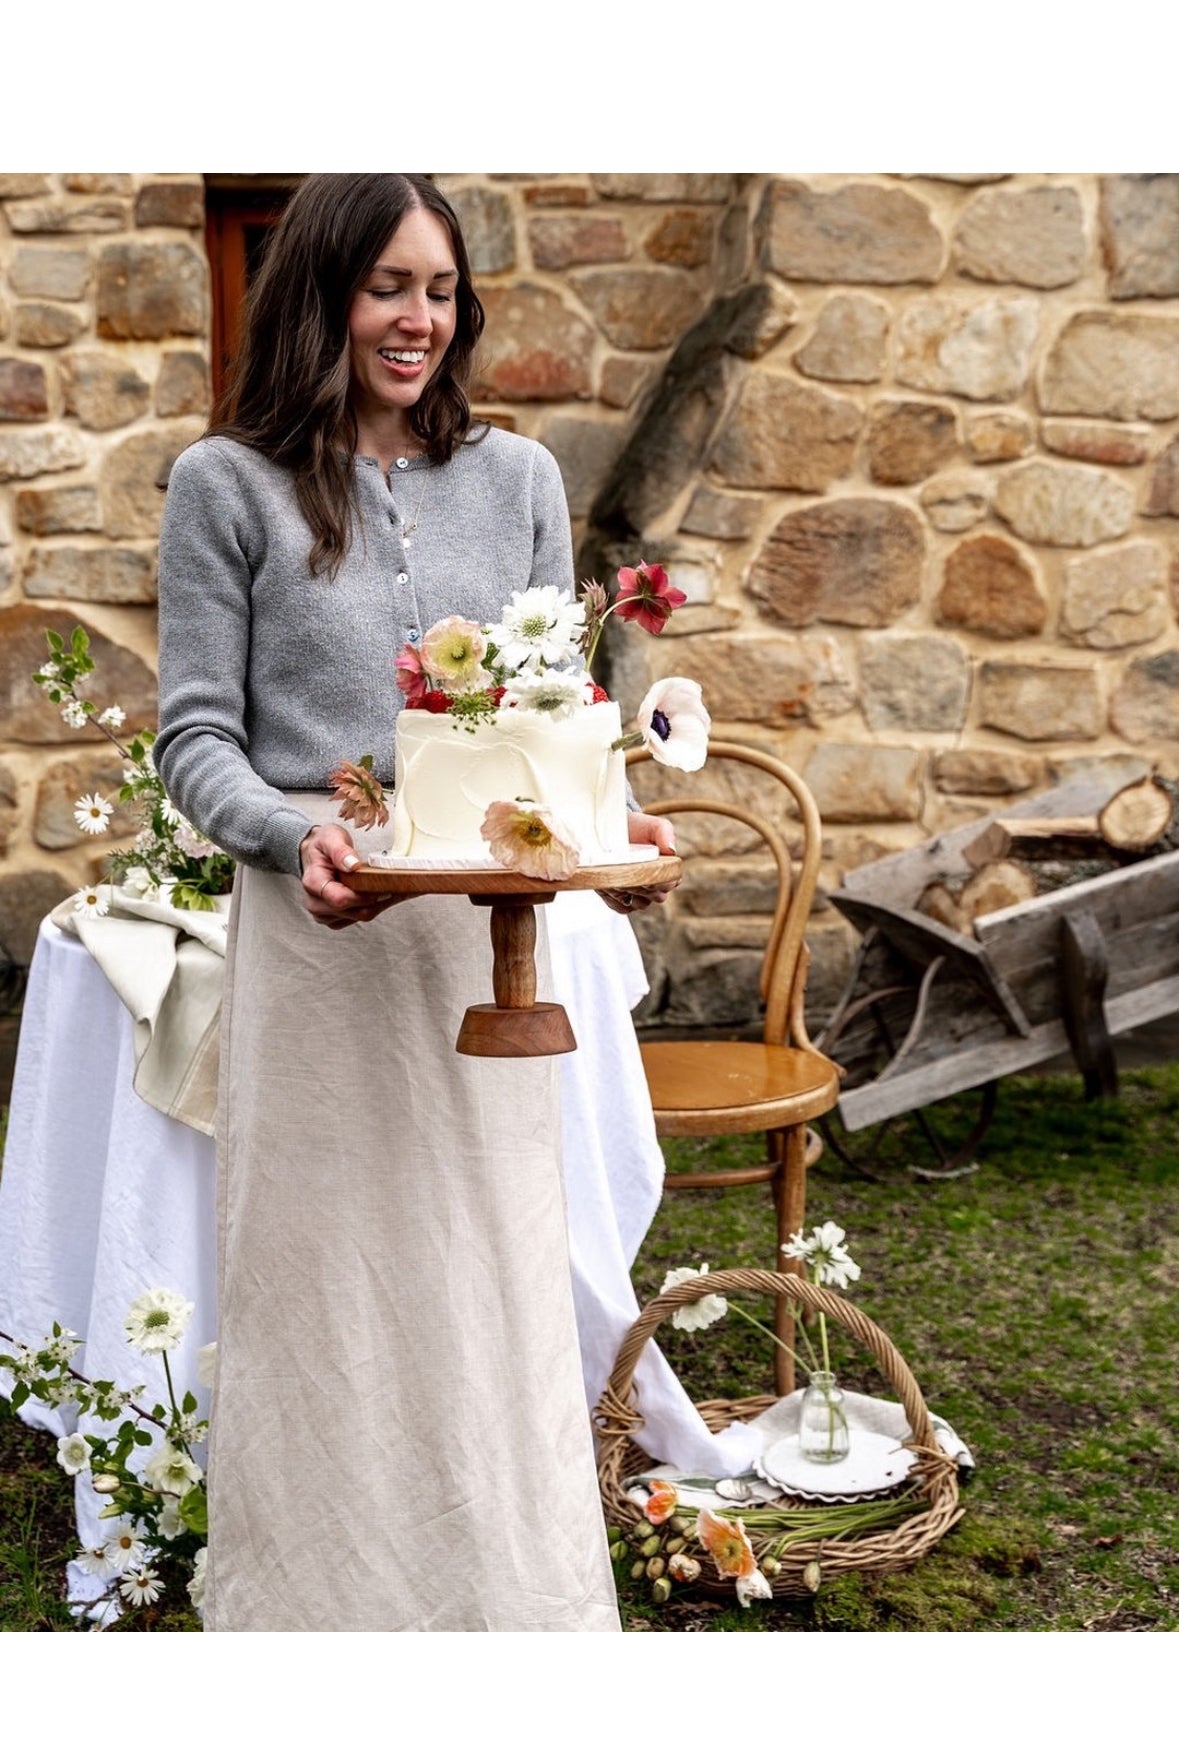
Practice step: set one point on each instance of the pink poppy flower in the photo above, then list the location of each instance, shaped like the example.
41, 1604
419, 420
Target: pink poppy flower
411, 678
646, 596
529, 840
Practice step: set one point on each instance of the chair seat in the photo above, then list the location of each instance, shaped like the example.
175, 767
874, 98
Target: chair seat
710, 1086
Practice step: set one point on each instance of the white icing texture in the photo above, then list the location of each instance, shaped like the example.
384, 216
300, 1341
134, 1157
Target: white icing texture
446, 776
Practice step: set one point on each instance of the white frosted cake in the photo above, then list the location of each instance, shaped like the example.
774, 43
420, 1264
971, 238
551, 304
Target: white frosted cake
446, 776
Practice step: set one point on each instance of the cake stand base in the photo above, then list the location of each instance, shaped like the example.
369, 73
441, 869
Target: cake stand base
540, 1031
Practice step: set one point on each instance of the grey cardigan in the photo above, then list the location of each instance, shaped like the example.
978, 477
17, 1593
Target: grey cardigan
268, 675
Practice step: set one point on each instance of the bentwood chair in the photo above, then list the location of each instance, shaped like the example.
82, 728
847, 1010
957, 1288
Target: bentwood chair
708, 1087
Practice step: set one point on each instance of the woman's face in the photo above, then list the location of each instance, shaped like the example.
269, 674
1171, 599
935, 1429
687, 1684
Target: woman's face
402, 320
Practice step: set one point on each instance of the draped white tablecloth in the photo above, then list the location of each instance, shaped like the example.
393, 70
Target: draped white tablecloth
103, 1196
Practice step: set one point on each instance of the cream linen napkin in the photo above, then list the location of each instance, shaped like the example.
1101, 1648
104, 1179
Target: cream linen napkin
166, 965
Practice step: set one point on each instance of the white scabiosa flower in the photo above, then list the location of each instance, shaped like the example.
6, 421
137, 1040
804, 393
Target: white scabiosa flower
92, 902
93, 814
559, 694
157, 1320
825, 1254
73, 1453
702, 1312
539, 627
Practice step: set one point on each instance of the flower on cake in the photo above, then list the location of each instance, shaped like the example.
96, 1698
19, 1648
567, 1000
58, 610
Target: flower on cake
526, 838
539, 628
453, 653
411, 678
362, 798
559, 693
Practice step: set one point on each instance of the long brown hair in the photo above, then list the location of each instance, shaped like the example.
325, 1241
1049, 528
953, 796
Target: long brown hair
288, 395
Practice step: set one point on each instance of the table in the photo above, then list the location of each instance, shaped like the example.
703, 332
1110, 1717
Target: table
102, 1196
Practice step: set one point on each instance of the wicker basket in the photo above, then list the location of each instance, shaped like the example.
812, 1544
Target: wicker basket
891, 1549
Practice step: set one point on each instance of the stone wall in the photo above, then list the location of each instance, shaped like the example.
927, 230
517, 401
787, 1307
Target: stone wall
909, 443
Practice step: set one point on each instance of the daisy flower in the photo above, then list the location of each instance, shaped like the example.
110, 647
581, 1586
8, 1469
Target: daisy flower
93, 814
97, 1561
124, 1548
675, 723
73, 1453
538, 627
702, 1312
557, 693
452, 653
142, 1587
92, 902
529, 840
157, 1320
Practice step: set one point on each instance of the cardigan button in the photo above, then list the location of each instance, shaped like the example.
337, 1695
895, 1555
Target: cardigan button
413, 636
401, 464
403, 579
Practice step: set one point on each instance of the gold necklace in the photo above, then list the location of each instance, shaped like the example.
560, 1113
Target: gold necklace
408, 530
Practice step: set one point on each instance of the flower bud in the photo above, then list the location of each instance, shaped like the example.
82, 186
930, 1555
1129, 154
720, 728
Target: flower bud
106, 1482
619, 1550
683, 1568
655, 1568
613, 1534
813, 1575
676, 1544
638, 1570
651, 1546
770, 1568
642, 1530
661, 1591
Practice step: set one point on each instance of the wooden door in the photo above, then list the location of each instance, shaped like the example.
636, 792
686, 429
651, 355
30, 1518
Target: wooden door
239, 215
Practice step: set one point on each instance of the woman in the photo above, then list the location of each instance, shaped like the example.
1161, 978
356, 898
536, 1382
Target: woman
399, 1437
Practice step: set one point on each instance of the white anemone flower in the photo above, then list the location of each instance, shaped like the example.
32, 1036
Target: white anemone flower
93, 814
142, 1587
73, 1453
539, 627
170, 1470
157, 1320
675, 723
702, 1312
558, 693
196, 1582
124, 1548
92, 902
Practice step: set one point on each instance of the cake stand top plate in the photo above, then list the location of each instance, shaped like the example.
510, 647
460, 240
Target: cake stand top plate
652, 872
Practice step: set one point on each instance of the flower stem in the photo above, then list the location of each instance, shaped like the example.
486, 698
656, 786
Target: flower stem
810, 1351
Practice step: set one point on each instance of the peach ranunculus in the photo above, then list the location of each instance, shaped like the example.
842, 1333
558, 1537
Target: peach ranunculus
529, 840
728, 1542
452, 653
661, 1501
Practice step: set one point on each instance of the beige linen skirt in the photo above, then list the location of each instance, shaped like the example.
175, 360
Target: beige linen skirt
399, 1432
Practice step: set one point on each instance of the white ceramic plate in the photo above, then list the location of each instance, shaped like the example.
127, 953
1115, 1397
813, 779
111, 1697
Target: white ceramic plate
874, 1464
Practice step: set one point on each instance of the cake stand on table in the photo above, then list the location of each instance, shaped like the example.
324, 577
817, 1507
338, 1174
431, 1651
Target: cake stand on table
515, 1024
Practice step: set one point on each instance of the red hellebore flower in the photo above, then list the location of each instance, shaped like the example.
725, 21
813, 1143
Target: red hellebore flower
647, 596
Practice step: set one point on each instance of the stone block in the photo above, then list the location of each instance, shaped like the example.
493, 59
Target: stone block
558, 242
1116, 597
1098, 443
536, 347
913, 682
9, 806
784, 435
23, 186
30, 452
1070, 505
955, 501
102, 389
856, 560
623, 379
131, 477
858, 234
1110, 364
560, 193
1139, 216
701, 189
183, 386
1023, 235
69, 217
849, 340
681, 238
992, 436
1040, 702
170, 205
640, 307
1164, 483
725, 887
769, 312
54, 827
98, 183
865, 782
102, 575
23, 394
777, 680
991, 587
985, 772
152, 290
981, 350
1146, 703
488, 227
62, 274
585, 450
47, 512
728, 518
47, 325
908, 440
733, 782
121, 676
27, 896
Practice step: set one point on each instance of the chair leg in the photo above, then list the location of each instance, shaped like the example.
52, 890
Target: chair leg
789, 1148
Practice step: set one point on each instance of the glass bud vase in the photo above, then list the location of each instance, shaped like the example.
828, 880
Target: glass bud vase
822, 1425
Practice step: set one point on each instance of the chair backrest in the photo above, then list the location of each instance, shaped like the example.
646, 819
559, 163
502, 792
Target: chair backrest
786, 954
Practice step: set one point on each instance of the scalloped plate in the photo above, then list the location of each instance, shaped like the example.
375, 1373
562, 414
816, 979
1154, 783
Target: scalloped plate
874, 1464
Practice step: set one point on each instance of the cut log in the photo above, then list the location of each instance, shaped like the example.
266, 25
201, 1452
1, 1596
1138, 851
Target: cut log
1137, 817
939, 903
1027, 834
994, 887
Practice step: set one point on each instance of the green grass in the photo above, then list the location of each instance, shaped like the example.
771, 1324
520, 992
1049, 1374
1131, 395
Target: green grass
1033, 1300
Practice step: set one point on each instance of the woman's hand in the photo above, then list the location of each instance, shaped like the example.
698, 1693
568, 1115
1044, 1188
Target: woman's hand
324, 852
644, 830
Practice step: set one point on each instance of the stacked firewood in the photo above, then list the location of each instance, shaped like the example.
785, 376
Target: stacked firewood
1018, 858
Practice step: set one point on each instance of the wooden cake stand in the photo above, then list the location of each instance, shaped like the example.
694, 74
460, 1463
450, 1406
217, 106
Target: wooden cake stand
515, 1024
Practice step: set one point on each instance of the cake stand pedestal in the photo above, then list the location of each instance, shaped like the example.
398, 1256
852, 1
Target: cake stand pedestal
515, 1024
